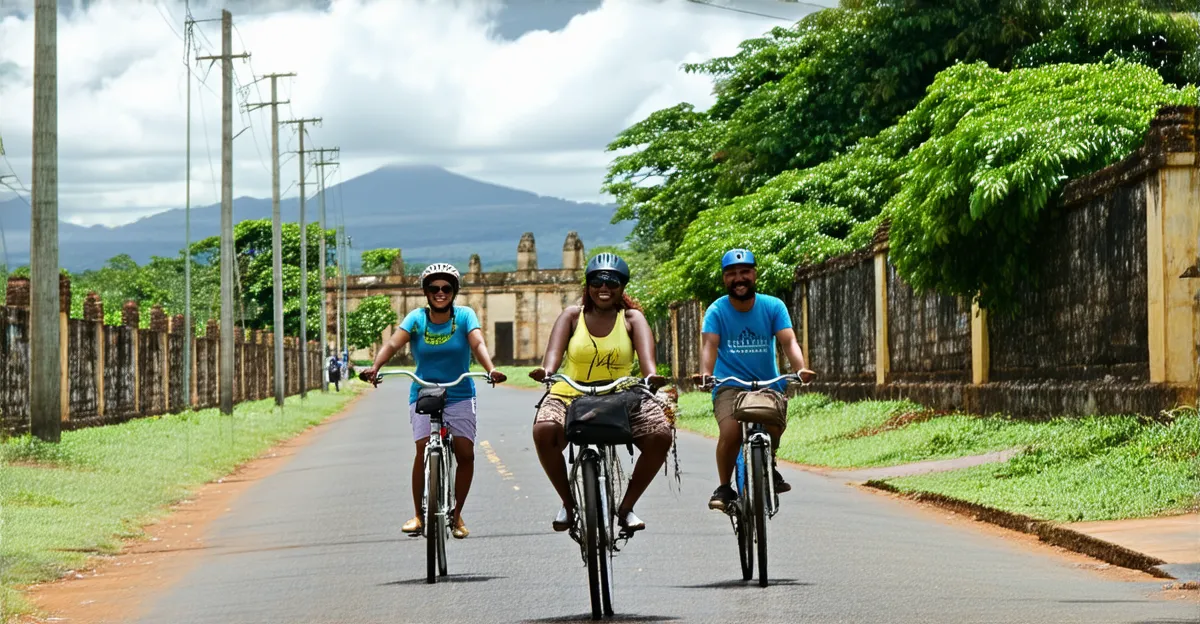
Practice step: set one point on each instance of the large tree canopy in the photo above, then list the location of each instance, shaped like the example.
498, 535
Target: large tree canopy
811, 132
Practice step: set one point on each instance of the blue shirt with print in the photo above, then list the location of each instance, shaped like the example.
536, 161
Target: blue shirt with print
441, 350
747, 339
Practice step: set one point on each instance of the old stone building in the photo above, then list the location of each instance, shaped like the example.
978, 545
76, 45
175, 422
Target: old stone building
516, 309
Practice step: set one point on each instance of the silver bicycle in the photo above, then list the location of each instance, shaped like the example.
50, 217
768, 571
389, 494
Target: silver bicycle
437, 503
596, 482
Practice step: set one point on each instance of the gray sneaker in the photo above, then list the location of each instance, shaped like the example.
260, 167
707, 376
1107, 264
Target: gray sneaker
722, 497
630, 522
564, 520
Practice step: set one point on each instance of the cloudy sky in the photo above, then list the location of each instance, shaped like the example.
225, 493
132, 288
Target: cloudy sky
524, 93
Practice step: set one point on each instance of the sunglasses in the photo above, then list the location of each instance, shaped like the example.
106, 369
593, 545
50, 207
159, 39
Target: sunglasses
433, 290
598, 282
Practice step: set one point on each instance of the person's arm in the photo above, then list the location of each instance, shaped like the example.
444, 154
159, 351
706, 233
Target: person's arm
791, 347
559, 336
643, 341
389, 348
710, 342
479, 348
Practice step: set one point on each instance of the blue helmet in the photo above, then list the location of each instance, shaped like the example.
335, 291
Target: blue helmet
737, 256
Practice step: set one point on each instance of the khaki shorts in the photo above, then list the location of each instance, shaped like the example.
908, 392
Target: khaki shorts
725, 400
650, 419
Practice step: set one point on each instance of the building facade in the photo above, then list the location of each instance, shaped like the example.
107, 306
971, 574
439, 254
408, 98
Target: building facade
516, 309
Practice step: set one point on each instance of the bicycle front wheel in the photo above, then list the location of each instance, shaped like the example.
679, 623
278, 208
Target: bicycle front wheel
759, 472
592, 530
433, 528
447, 508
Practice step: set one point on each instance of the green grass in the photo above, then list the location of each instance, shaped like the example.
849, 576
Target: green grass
1101, 468
62, 503
823, 432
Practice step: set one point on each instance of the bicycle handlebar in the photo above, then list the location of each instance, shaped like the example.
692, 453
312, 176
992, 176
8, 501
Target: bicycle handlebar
428, 384
754, 385
592, 390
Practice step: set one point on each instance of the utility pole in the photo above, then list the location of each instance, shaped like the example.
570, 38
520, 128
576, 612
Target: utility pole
45, 381
303, 260
320, 165
276, 235
226, 365
185, 384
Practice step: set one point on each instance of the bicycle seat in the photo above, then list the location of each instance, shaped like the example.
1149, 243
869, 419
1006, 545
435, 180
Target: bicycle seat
431, 400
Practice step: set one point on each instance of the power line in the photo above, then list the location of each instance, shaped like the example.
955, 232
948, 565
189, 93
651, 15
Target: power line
737, 10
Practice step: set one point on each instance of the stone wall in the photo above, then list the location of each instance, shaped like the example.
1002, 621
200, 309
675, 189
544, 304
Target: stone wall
1109, 324
115, 373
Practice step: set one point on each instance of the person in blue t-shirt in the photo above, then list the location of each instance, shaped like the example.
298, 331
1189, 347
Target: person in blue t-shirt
738, 340
442, 338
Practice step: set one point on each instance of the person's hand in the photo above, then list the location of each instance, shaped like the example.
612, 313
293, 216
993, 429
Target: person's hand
656, 381
806, 375
538, 374
369, 376
497, 376
703, 382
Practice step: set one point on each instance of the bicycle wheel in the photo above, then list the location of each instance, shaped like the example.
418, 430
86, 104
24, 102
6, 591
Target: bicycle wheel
608, 532
759, 471
433, 499
743, 523
592, 531
447, 494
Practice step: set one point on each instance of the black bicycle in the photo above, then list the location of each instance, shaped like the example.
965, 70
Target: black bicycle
596, 481
754, 481
437, 504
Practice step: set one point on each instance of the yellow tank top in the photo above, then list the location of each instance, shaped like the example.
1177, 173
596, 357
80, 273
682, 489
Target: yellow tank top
592, 359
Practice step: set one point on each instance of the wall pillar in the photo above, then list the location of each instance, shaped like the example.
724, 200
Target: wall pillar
64, 352
93, 312
804, 323
159, 326
675, 372
883, 359
130, 318
981, 361
1172, 229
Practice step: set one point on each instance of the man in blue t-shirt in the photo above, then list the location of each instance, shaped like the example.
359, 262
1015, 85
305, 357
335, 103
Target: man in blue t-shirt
739, 334
442, 338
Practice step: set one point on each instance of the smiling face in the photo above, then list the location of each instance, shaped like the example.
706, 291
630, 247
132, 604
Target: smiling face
740, 281
440, 294
605, 292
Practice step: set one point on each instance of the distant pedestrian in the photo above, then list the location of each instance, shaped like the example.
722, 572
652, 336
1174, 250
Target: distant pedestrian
335, 372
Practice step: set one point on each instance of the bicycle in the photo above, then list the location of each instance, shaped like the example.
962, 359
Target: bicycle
757, 500
436, 510
595, 478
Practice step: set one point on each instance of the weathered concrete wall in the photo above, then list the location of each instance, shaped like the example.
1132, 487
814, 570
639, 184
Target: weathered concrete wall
117, 373
1086, 316
529, 298
841, 318
929, 335
1109, 324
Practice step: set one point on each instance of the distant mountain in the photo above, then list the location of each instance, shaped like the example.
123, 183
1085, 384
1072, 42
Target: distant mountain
428, 212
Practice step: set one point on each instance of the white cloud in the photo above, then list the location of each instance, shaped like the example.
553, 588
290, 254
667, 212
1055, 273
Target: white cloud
395, 81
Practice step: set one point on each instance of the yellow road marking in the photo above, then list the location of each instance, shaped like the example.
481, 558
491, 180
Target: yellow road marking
495, 459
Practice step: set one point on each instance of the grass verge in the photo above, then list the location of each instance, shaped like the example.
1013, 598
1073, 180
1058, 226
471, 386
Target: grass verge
1068, 469
63, 503
1101, 468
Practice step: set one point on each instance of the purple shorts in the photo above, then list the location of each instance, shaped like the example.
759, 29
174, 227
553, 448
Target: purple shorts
459, 418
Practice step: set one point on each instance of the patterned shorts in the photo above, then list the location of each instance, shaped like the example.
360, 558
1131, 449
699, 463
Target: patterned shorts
650, 419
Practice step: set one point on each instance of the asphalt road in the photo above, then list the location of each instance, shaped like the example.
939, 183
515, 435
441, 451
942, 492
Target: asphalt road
320, 541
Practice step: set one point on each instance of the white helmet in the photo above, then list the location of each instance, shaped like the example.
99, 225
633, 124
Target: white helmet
442, 270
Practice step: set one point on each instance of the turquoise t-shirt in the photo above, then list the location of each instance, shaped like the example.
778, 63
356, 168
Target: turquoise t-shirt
441, 351
747, 346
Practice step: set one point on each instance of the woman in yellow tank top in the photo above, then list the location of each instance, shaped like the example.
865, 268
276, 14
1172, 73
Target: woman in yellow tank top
599, 338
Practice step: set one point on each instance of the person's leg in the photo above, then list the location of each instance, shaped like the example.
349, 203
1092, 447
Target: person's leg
549, 439
652, 436
420, 429
460, 419
729, 442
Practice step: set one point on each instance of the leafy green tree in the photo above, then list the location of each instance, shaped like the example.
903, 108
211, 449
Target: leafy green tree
254, 276
802, 95
378, 261
807, 140
366, 323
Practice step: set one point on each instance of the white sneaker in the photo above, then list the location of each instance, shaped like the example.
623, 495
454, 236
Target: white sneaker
563, 520
631, 523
